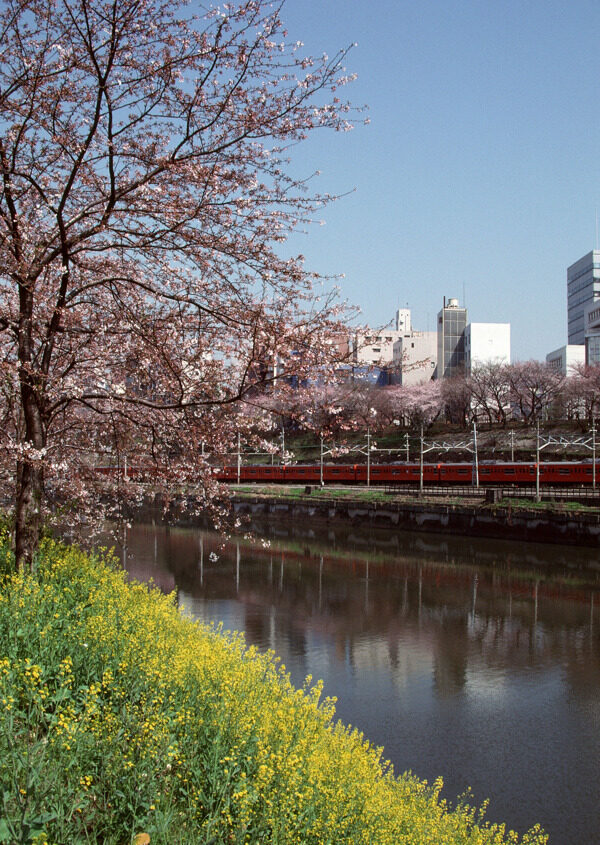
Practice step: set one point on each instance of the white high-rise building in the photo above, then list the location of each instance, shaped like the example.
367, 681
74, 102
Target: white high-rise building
486, 343
566, 358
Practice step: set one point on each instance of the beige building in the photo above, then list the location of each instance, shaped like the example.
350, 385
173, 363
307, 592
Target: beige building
415, 357
410, 354
415, 353
375, 348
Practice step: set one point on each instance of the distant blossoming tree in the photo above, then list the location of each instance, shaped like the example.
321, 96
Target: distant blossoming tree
490, 391
324, 409
415, 404
581, 392
534, 386
145, 195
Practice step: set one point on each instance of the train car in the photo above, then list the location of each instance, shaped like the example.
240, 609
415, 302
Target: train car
559, 473
497, 473
554, 473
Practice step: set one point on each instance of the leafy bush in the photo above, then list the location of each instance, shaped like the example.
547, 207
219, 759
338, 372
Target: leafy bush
120, 717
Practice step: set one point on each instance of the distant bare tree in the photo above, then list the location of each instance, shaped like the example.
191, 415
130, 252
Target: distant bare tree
582, 392
457, 398
490, 390
533, 388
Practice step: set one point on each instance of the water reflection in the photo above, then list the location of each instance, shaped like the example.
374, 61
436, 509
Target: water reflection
473, 659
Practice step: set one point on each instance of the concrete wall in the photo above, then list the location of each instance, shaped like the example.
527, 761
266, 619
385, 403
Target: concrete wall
493, 522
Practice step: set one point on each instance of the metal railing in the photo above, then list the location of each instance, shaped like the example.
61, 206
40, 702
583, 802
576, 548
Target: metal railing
567, 494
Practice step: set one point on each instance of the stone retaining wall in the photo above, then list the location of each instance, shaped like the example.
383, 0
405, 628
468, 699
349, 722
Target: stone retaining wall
475, 521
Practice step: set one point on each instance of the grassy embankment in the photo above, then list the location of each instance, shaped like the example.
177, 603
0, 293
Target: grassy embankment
122, 721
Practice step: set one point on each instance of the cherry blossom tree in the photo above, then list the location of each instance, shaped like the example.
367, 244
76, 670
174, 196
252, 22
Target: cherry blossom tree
533, 388
490, 391
145, 201
457, 399
581, 392
416, 404
326, 409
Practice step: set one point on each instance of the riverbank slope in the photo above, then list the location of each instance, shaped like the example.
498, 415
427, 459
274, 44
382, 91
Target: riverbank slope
123, 722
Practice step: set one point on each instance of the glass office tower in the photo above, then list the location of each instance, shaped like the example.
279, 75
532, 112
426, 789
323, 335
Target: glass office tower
583, 287
452, 321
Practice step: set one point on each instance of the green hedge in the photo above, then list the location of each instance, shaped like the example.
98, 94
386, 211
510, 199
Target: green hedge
123, 721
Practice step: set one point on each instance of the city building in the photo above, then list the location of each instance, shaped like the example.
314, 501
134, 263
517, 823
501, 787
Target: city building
452, 321
415, 357
373, 356
566, 358
406, 356
592, 333
395, 356
375, 348
415, 353
403, 321
583, 287
486, 343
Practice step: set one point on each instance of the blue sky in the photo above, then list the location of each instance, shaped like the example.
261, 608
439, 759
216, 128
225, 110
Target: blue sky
480, 170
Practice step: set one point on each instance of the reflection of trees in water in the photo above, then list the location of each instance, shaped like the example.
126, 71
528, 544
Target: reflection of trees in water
450, 655
371, 607
256, 625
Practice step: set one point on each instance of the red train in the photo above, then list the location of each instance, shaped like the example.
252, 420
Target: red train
562, 473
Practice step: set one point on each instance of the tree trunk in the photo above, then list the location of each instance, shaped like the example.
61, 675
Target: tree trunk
28, 516
30, 482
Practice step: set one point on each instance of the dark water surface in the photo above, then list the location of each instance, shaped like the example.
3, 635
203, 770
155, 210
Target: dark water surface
472, 659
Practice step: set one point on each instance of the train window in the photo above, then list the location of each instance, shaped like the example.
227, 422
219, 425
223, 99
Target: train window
484, 470
588, 470
564, 471
462, 471
252, 471
375, 470
335, 471
510, 471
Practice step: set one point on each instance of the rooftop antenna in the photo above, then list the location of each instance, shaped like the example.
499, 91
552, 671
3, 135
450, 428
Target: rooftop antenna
596, 228
464, 297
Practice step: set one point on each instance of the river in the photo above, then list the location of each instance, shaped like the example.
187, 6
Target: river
472, 659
